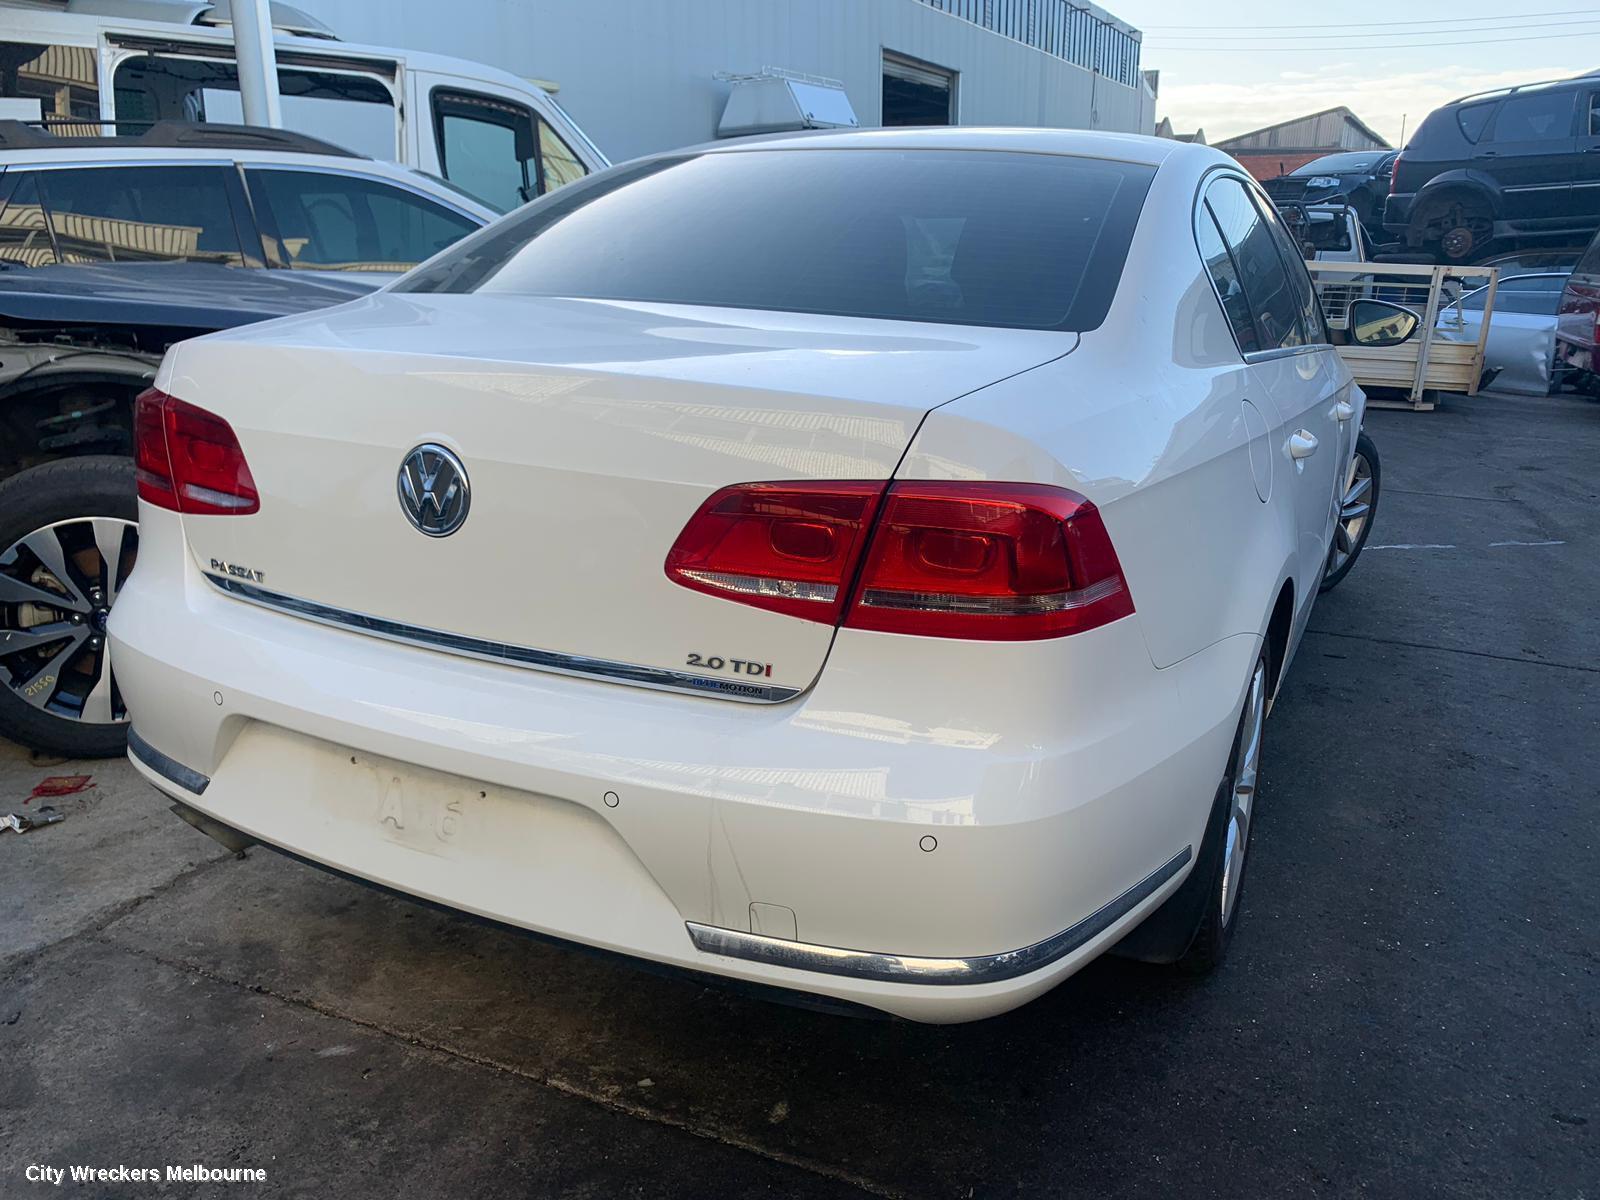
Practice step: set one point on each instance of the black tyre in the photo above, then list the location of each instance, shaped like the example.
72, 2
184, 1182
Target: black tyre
1358, 507
68, 539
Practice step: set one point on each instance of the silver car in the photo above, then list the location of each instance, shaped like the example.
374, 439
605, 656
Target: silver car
1522, 329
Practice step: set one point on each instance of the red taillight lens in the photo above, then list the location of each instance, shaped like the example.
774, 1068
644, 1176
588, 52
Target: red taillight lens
987, 561
982, 561
1394, 175
789, 547
189, 460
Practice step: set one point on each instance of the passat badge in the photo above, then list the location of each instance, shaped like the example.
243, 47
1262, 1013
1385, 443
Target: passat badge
434, 493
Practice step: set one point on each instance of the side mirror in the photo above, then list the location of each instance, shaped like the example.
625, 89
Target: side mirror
1379, 323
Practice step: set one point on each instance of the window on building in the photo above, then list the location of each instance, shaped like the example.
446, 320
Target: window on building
61, 79
917, 93
1272, 296
326, 221
141, 214
1536, 117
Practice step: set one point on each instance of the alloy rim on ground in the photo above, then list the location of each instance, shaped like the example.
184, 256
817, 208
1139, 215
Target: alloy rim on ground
57, 585
1247, 757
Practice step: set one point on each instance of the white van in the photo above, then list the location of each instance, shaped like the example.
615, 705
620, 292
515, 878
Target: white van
79, 64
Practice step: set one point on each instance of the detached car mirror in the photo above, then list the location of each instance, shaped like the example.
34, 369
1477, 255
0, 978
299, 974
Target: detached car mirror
1379, 323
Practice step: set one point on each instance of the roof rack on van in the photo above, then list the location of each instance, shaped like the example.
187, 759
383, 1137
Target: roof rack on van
1523, 87
165, 135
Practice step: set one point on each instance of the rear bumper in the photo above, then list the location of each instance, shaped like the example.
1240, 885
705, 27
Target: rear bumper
939, 850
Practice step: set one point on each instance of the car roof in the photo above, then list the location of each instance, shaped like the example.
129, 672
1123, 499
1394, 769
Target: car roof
1122, 147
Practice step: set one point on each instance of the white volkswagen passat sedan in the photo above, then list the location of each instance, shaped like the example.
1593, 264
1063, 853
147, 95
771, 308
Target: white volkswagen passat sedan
859, 565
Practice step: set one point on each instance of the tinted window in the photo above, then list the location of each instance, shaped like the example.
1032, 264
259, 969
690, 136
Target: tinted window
1299, 278
141, 214
24, 237
1219, 265
329, 222
1538, 117
1473, 118
1594, 114
1272, 296
1023, 240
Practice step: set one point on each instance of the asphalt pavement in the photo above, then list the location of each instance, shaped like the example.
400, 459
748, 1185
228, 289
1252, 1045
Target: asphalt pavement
1411, 1007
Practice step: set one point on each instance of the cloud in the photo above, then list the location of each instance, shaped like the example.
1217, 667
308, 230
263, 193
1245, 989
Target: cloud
1225, 109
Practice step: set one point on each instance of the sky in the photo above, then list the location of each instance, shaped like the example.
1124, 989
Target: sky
1237, 65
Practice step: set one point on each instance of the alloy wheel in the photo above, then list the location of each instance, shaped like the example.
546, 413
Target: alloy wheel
57, 585
1247, 765
1355, 509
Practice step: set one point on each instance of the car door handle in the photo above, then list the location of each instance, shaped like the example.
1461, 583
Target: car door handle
1302, 443
1344, 410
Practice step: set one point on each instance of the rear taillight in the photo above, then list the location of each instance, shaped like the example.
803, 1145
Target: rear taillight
1000, 562
1394, 175
790, 547
189, 460
982, 561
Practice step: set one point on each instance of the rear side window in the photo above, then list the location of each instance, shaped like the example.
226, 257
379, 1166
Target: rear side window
24, 237
141, 214
1299, 277
324, 221
1593, 126
1030, 241
1225, 275
1537, 117
1473, 119
1273, 297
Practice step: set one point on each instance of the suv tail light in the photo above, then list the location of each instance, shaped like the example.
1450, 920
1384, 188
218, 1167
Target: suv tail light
981, 561
188, 460
1394, 174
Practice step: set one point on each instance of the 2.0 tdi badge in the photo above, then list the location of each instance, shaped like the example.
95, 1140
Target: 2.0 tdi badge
433, 488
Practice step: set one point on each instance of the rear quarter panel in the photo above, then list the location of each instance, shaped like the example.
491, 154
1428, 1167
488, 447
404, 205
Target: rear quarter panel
1146, 419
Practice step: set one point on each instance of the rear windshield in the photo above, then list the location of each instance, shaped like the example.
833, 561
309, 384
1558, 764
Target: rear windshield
1025, 241
1340, 164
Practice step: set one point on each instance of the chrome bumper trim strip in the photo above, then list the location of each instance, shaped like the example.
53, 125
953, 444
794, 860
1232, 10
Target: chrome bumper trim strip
501, 652
901, 968
166, 766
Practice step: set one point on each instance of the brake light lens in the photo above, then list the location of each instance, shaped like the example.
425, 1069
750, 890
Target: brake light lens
989, 562
788, 547
980, 561
1394, 174
189, 460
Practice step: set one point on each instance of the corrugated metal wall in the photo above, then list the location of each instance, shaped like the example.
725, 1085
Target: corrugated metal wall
1328, 131
638, 75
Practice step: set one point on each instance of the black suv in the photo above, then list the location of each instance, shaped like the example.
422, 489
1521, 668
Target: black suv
1500, 171
1358, 178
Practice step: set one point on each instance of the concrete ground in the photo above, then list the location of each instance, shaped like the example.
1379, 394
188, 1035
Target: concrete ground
1412, 1007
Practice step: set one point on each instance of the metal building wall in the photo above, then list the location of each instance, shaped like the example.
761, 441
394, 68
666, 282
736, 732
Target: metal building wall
638, 75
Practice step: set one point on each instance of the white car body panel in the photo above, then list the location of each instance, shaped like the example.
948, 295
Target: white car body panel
933, 805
